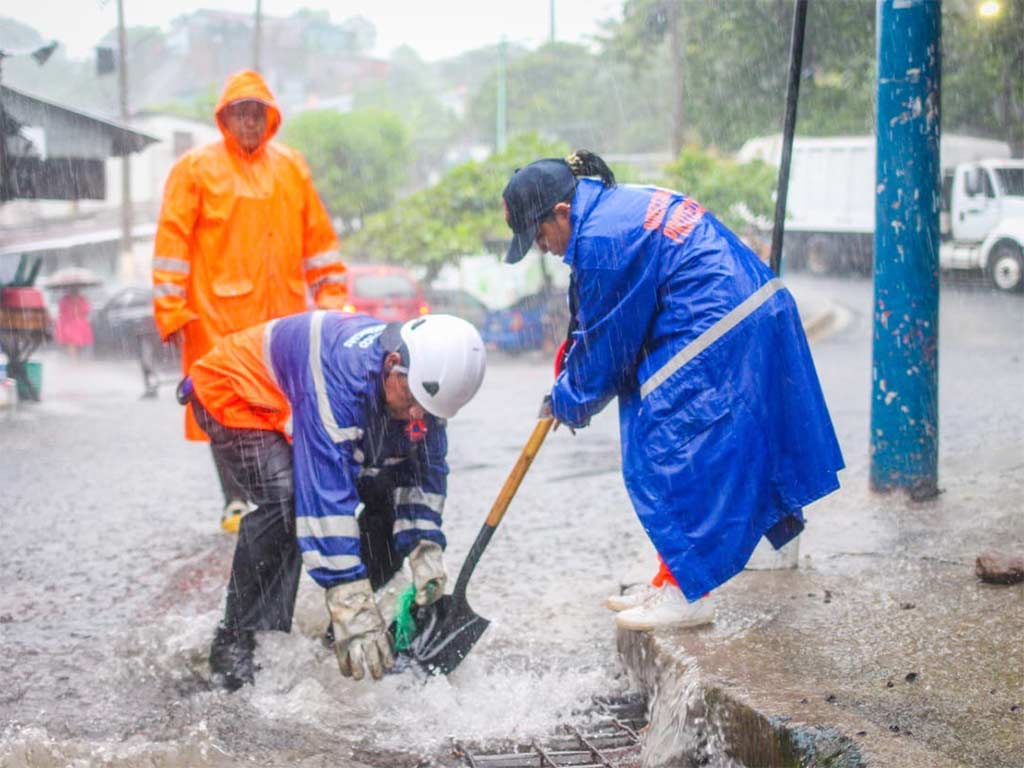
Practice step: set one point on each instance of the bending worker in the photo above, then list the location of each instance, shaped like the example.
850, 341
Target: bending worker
361, 484
242, 238
725, 432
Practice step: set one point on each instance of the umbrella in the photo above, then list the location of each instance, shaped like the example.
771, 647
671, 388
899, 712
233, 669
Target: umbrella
72, 277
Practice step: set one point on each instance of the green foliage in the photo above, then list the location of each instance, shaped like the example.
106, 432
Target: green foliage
411, 90
983, 71
199, 108
736, 58
358, 160
564, 91
733, 191
457, 216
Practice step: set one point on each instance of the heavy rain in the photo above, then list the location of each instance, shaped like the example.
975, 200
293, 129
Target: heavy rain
611, 383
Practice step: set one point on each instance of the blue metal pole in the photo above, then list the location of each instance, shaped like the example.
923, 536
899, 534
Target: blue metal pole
905, 365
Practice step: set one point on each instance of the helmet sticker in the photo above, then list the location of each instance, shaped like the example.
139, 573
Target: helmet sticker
365, 337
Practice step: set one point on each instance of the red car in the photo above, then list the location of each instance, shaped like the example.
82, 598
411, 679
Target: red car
386, 292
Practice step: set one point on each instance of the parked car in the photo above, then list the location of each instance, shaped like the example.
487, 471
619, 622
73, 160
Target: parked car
385, 291
459, 303
537, 321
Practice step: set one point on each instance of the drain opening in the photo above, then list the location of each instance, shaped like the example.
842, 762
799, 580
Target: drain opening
611, 739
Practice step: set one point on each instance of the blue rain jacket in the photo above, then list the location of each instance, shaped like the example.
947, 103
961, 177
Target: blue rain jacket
724, 429
329, 364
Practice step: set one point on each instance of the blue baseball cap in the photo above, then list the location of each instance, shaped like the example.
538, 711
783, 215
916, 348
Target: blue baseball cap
529, 196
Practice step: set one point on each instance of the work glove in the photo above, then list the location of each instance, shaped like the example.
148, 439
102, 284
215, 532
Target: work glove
360, 635
545, 413
428, 572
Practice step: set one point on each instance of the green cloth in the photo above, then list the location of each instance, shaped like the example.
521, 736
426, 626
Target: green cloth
405, 625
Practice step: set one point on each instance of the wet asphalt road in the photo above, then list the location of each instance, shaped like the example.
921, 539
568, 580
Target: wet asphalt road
113, 567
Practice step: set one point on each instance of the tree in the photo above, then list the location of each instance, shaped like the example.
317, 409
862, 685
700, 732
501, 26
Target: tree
201, 107
566, 92
358, 160
411, 90
736, 59
456, 217
983, 71
736, 193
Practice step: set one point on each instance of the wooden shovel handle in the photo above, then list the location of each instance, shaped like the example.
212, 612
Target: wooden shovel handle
508, 490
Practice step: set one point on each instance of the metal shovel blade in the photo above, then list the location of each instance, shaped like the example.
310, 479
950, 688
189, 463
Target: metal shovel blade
445, 633
448, 629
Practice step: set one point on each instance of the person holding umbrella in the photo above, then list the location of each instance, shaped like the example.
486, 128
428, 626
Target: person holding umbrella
73, 329
725, 432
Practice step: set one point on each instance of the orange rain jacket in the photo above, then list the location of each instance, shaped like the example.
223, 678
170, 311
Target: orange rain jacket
242, 238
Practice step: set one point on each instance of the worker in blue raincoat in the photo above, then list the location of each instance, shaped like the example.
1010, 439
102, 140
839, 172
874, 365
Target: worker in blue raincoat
335, 425
724, 429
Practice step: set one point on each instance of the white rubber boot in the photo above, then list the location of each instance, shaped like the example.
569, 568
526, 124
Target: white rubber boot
668, 608
634, 595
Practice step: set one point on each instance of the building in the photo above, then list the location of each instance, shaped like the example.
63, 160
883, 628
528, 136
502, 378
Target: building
53, 182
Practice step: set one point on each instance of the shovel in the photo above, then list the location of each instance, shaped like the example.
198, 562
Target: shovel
447, 629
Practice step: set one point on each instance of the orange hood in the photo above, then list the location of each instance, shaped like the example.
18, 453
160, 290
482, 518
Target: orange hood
245, 85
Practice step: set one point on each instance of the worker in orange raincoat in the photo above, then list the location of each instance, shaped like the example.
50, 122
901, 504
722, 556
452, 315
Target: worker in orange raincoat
242, 238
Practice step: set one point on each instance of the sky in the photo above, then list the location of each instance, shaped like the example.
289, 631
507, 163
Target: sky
434, 28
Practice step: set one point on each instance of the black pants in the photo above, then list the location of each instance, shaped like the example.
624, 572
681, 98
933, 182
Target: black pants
267, 563
228, 485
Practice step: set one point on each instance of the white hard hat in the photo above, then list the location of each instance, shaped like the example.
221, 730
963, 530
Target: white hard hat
447, 361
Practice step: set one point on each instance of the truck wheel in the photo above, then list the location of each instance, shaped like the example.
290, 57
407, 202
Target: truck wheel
819, 257
1007, 268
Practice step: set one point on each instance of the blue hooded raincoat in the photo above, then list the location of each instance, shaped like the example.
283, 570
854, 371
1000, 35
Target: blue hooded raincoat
724, 429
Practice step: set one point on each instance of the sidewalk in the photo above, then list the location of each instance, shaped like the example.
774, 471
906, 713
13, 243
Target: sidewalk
881, 649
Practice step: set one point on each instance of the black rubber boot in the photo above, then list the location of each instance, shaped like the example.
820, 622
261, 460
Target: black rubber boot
231, 658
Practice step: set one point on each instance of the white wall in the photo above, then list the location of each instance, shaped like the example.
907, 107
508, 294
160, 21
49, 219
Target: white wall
150, 167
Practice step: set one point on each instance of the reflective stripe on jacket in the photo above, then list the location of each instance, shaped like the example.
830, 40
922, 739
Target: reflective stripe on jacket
724, 429
316, 377
242, 238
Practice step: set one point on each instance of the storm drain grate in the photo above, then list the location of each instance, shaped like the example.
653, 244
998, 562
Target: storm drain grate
610, 740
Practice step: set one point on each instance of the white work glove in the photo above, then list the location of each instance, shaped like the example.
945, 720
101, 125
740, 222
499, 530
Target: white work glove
360, 635
428, 572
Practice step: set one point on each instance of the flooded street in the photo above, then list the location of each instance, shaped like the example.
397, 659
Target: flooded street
114, 567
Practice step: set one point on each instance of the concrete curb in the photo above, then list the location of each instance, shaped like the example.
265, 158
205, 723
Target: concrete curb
819, 316
697, 718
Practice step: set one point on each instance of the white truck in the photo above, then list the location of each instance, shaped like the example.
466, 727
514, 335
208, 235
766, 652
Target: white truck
831, 205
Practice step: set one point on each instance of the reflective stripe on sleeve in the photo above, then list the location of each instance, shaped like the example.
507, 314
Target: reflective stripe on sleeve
313, 559
329, 526
167, 264
322, 260
737, 315
413, 495
417, 524
323, 403
168, 289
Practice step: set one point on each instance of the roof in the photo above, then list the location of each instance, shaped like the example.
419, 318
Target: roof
72, 132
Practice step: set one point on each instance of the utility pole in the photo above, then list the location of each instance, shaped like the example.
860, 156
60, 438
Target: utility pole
257, 36
126, 167
677, 52
4, 195
551, 37
796, 57
501, 123
905, 363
